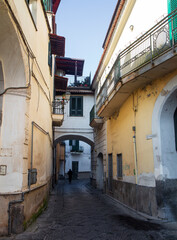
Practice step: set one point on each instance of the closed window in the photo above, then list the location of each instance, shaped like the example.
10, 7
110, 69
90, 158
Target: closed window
119, 165
76, 106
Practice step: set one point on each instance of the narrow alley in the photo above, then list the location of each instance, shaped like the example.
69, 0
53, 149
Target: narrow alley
76, 211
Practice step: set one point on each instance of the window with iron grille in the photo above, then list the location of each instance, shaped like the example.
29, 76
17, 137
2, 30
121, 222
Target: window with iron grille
76, 106
119, 165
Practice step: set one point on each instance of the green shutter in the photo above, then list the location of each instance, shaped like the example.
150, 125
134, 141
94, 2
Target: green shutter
70, 142
172, 5
47, 5
76, 106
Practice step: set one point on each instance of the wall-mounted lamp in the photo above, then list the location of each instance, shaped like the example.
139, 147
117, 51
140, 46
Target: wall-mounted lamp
131, 27
58, 104
66, 96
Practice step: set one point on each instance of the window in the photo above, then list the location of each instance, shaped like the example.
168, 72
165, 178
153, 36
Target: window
75, 146
47, 5
33, 9
50, 57
119, 165
76, 106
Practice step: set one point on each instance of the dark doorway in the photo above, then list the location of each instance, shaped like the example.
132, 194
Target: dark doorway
110, 172
75, 169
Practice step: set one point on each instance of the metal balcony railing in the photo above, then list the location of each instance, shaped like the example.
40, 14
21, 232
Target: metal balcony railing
155, 42
58, 107
93, 114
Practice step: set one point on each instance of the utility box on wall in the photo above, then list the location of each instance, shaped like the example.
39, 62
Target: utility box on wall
32, 176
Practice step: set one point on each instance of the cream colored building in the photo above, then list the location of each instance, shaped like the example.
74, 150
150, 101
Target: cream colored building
135, 119
26, 95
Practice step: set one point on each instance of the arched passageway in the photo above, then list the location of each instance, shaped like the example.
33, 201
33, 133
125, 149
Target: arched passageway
72, 151
74, 137
165, 151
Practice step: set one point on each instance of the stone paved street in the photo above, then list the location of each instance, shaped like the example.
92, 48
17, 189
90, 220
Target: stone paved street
78, 212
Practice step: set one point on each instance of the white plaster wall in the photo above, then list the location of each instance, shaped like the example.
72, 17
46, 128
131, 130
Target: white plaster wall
77, 125
84, 158
144, 15
12, 139
21, 107
79, 122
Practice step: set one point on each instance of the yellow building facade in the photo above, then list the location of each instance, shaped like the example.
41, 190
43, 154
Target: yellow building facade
135, 85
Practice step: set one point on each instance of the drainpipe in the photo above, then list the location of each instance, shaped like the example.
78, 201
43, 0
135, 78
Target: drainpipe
75, 78
135, 153
9, 215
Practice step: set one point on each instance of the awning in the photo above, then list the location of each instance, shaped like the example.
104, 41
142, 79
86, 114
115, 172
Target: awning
55, 4
70, 65
60, 83
57, 45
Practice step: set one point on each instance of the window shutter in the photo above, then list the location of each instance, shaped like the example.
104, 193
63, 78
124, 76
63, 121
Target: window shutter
172, 5
76, 106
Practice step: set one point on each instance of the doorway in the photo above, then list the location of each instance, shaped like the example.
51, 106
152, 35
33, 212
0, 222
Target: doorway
100, 172
164, 128
110, 172
75, 169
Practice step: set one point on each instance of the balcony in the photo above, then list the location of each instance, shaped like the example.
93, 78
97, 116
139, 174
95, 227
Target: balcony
151, 56
58, 113
95, 121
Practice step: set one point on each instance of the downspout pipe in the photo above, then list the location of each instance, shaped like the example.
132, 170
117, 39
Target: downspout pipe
135, 154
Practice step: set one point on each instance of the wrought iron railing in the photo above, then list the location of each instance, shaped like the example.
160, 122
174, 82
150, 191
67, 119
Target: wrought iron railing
93, 114
152, 44
82, 81
48, 5
58, 107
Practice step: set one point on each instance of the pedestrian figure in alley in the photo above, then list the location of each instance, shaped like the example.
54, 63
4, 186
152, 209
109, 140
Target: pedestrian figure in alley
70, 173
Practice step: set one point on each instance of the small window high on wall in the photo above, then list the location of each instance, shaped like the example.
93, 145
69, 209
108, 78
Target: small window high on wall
1, 90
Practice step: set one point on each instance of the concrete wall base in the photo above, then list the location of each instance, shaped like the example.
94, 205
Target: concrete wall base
19, 215
140, 198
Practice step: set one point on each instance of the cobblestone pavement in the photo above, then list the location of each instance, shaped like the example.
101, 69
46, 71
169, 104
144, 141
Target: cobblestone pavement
78, 212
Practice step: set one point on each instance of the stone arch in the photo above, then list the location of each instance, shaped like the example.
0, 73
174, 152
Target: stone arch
74, 137
100, 172
11, 51
164, 150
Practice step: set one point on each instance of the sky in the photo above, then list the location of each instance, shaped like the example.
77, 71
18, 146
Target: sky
84, 24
